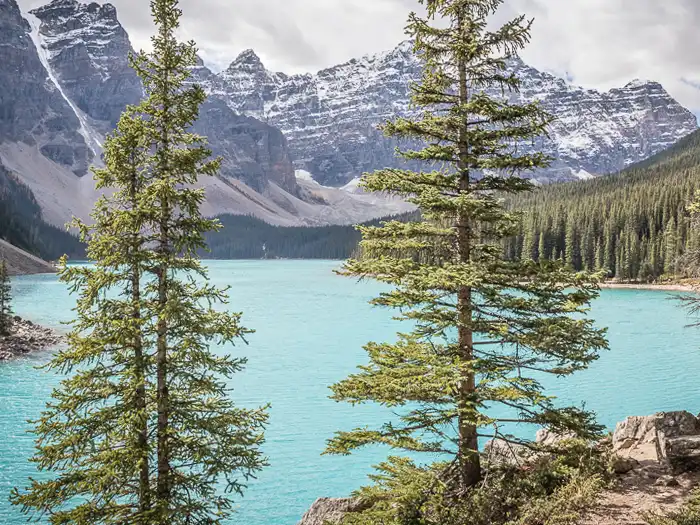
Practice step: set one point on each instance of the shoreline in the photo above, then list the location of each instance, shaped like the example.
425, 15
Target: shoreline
657, 287
27, 338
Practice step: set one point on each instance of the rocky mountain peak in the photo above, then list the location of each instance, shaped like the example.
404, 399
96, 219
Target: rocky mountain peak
76, 14
331, 117
248, 60
87, 51
638, 83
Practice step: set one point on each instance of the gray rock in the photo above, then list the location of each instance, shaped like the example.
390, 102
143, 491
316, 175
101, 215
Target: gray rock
623, 465
633, 431
670, 425
330, 510
330, 118
672, 438
667, 481
682, 452
548, 438
26, 337
499, 451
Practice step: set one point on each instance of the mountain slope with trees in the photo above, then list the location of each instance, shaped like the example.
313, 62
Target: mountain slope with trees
245, 237
22, 225
633, 225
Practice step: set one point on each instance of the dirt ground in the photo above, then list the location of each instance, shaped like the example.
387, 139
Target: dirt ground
642, 491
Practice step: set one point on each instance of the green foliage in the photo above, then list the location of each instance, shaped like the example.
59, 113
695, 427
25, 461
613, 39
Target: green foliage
143, 429
483, 329
5, 299
635, 225
547, 490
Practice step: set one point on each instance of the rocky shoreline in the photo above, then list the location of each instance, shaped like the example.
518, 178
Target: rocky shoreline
657, 463
27, 338
671, 287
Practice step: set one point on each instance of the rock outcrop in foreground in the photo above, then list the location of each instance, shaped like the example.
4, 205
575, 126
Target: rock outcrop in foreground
658, 466
26, 338
327, 511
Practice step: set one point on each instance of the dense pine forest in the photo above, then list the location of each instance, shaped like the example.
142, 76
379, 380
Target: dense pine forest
244, 237
633, 225
21, 223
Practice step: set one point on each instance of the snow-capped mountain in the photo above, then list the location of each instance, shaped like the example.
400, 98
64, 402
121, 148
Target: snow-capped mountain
64, 81
330, 117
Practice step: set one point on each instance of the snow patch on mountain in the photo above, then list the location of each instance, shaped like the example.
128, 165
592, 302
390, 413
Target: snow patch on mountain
303, 175
92, 138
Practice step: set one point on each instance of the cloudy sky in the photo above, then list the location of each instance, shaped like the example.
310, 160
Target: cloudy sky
595, 43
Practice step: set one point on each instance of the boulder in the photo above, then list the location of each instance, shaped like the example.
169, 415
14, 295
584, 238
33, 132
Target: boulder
331, 510
548, 438
634, 431
671, 425
682, 453
645, 437
623, 465
500, 451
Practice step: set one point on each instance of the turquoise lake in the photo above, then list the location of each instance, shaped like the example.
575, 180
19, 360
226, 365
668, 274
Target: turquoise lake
311, 325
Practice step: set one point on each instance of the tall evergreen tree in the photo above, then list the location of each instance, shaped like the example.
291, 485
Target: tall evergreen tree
482, 326
5, 299
143, 430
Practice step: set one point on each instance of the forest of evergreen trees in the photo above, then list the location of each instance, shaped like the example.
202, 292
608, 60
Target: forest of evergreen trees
21, 223
633, 225
245, 237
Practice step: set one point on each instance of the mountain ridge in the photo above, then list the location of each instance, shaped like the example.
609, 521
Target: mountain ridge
64, 83
330, 116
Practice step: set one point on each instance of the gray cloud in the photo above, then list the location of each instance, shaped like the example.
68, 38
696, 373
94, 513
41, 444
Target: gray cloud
595, 43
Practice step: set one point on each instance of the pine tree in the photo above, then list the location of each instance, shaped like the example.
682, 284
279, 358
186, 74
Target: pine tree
530, 242
5, 299
143, 429
482, 324
542, 247
671, 247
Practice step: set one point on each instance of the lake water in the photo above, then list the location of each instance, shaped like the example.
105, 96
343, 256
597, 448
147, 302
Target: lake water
311, 325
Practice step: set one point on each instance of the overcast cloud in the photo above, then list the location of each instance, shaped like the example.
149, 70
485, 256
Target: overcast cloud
595, 43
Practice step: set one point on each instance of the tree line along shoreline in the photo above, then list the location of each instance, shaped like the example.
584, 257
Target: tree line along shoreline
142, 429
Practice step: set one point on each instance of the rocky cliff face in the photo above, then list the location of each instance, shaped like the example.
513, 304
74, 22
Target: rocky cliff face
32, 108
330, 117
88, 49
64, 80
75, 80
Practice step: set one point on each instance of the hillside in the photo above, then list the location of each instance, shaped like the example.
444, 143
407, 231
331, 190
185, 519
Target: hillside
249, 238
22, 224
633, 225
20, 262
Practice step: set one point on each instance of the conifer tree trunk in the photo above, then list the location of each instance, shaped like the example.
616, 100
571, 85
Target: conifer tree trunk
163, 488
139, 361
163, 402
468, 441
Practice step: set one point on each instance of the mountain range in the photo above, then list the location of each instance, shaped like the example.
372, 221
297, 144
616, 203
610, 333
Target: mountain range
330, 118
292, 145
